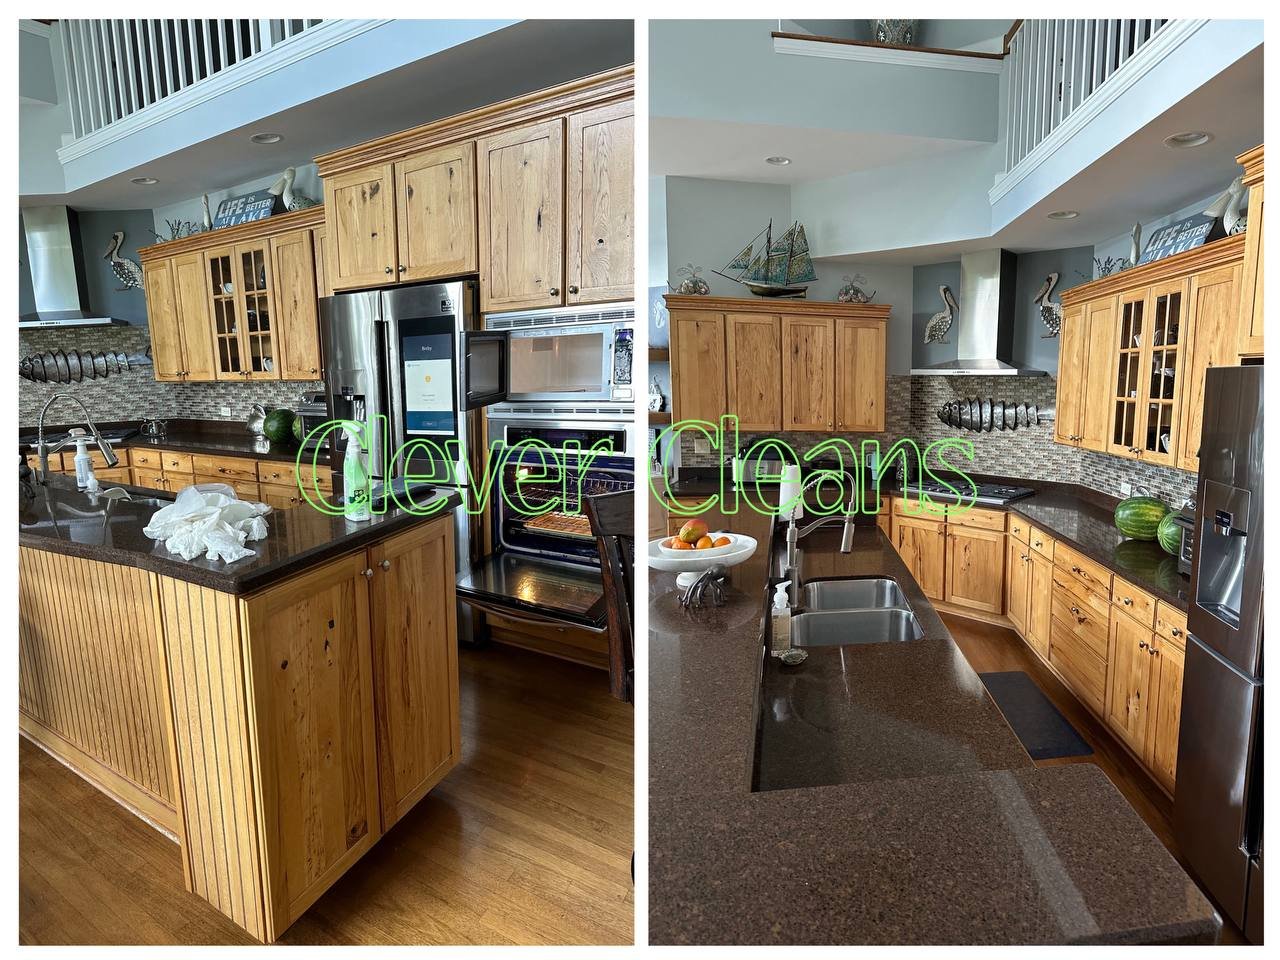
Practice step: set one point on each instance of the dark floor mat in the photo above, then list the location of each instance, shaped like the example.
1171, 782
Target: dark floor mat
1041, 727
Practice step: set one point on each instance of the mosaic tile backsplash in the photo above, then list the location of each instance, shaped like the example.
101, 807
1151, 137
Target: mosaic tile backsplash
911, 406
135, 394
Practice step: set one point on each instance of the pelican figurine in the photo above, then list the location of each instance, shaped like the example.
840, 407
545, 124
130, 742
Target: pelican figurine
936, 329
283, 188
1230, 206
1050, 311
126, 271
1135, 245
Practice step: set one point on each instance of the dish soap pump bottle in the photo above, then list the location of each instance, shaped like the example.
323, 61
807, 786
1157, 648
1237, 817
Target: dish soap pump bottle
781, 636
355, 479
84, 463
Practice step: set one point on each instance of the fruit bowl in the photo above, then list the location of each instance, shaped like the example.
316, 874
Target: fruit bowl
734, 542
691, 564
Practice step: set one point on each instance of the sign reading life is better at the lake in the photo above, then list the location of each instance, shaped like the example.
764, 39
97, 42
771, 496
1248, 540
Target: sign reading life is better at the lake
1183, 235
252, 206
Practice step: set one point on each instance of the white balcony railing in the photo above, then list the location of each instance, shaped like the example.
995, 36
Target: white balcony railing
115, 68
1056, 65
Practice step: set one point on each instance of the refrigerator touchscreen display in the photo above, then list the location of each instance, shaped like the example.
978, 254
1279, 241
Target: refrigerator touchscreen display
428, 385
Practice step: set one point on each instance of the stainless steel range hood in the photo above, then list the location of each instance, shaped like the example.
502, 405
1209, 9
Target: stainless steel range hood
57, 271
983, 328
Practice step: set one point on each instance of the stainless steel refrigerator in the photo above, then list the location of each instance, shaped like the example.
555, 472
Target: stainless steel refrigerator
414, 355
1218, 797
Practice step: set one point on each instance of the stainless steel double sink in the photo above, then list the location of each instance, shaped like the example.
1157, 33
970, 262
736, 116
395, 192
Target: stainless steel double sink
853, 611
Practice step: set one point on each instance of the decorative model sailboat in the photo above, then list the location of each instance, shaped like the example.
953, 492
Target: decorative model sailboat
779, 268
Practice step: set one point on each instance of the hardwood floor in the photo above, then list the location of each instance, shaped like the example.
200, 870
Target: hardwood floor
527, 841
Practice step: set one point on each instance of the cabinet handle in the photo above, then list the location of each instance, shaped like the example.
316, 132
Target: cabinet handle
402, 268
1127, 602
1142, 644
314, 370
554, 292
1176, 632
385, 564
368, 573
389, 270
573, 288
1152, 651
1025, 558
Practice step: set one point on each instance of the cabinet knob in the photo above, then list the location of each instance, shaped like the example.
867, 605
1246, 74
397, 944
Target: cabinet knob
1176, 632
1152, 651
401, 268
572, 288
314, 370
368, 573
1127, 602
1142, 644
554, 292
385, 564
389, 270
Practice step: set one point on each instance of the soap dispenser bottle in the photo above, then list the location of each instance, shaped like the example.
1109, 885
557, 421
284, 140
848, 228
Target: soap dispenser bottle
84, 463
781, 635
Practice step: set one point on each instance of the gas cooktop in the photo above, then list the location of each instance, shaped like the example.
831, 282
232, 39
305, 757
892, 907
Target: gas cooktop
995, 494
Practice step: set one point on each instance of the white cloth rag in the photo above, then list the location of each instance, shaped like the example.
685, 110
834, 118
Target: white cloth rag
209, 523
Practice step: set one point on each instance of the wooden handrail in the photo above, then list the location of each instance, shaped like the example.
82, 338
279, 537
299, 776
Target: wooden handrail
1013, 31
781, 35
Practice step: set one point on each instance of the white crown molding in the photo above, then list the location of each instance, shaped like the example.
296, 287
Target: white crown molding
306, 44
36, 28
893, 55
1143, 62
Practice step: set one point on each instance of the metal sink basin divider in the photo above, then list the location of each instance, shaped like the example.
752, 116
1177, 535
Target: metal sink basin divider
854, 611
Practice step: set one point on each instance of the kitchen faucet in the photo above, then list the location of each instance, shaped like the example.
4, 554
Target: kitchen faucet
43, 449
794, 533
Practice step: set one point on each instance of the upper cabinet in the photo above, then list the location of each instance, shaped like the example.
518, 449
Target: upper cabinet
361, 227
534, 194
238, 303
1250, 322
521, 190
795, 365
599, 204
1135, 348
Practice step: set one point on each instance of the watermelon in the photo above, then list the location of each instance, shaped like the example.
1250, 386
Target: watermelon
1169, 534
277, 426
1139, 517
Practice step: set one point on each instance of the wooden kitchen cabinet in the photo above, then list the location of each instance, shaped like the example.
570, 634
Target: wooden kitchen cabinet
520, 187
1017, 566
1250, 323
360, 223
1071, 376
436, 213
310, 682
975, 568
1163, 358
754, 369
1039, 604
860, 357
1084, 366
599, 204
162, 320
256, 311
1212, 319
297, 321
921, 544
191, 296
698, 365
318, 245
808, 373
1129, 681
1166, 711
415, 664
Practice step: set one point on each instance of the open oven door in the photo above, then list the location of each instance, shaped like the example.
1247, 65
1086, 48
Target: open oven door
485, 368
536, 591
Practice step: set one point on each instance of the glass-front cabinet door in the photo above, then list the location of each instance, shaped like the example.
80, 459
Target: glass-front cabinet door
256, 309
1162, 361
223, 294
1129, 387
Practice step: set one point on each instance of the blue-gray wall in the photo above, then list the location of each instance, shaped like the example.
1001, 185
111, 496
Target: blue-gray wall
105, 295
1074, 266
926, 301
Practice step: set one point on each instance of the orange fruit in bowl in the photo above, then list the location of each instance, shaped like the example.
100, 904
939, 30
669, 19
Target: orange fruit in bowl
704, 543
681, 545
721, 541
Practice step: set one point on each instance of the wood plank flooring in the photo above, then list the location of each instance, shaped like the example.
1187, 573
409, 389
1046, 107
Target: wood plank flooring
527, 841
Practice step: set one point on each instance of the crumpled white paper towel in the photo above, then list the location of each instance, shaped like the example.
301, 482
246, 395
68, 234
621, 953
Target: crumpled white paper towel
209, 523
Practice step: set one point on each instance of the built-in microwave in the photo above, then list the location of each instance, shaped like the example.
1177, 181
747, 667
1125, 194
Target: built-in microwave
581, 354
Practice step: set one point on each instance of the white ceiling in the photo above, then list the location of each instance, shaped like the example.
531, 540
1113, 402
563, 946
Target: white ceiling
524, 57
1140, 180
721, 150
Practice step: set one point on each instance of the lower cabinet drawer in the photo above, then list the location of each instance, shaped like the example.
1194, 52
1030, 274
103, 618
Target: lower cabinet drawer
1083, 671
177, 480
114, 475
151, 479
1019, 529
245, 489
976, 517
279, 497
139, 457
176, 462
224, 468
1089, 630
1091, 575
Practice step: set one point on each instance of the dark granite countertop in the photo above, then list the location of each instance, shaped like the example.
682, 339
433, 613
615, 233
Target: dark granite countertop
62, 519
1077, 515
934, 826
226, 437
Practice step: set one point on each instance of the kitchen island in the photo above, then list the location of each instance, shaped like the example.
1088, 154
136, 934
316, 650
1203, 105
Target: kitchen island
931, 825
275, 715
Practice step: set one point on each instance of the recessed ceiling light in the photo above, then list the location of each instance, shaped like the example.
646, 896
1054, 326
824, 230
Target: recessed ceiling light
1064, 214
1191, 138
267, 138
778, 161
144, 181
